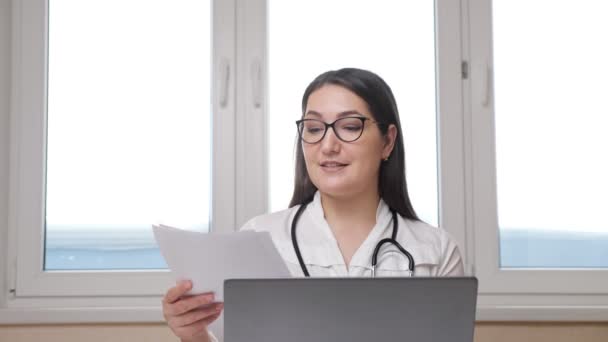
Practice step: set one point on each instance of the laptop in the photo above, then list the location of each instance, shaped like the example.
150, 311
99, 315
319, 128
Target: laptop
350, 309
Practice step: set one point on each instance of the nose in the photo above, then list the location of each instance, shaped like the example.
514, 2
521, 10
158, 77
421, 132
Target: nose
330, 143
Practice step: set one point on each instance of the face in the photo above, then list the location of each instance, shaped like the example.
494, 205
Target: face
338, 168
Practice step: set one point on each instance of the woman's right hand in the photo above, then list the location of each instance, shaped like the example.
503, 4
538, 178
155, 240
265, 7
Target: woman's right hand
189, 316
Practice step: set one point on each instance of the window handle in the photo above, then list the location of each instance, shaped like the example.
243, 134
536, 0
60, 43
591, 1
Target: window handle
486, 85
224, 82
256, 82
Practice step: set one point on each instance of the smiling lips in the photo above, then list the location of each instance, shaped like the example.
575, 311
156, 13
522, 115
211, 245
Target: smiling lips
332, 165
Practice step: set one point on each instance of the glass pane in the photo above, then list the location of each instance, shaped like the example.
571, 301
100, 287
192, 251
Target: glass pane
551, 132
128, 129
394, 39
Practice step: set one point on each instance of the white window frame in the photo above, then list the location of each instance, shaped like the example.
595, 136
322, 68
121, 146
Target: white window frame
30, 295
510, 294
5, 90
251, 127
448, 102
466, 179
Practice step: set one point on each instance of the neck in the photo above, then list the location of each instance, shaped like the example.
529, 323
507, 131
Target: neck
355, 211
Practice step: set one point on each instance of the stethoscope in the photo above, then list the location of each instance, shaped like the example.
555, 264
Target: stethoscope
392, 240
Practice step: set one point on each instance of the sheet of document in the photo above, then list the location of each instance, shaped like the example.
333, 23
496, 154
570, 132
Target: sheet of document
209, 259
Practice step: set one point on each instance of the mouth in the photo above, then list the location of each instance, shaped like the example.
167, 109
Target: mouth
332, 165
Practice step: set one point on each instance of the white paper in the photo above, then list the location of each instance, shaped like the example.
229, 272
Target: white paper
209, 259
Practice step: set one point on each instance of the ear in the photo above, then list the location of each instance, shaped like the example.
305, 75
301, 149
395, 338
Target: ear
389, 141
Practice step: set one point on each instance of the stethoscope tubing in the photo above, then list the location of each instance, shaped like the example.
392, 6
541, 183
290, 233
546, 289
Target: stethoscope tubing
392, 240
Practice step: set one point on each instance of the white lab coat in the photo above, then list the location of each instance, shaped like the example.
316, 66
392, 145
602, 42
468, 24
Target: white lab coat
434, 250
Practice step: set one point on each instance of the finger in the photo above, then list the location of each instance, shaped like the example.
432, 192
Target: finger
174, 293
196, 315
186, 304
197, 328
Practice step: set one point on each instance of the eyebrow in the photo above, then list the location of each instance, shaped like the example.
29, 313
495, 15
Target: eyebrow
340, 115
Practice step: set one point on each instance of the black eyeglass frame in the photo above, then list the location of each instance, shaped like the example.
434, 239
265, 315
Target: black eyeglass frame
332, 125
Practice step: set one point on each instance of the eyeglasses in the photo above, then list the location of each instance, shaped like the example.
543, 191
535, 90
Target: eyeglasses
347, 129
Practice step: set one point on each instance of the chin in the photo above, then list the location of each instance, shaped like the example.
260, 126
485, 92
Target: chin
337, 190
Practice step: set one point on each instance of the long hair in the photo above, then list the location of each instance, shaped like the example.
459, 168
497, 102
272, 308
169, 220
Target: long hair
381, 102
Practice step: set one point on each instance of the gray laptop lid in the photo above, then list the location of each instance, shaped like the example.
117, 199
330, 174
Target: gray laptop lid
350, 309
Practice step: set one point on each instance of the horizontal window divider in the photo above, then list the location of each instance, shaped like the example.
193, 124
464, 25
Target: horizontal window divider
70, 284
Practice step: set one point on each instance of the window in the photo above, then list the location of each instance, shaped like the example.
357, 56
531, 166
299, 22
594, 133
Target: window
550, 141
498, 118
127, 139
536, 147
129, 129
355, 34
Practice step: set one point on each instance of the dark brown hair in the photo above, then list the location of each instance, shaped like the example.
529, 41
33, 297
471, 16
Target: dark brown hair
392, 186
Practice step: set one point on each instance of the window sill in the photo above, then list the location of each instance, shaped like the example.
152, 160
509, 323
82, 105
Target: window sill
80, 315
489, 309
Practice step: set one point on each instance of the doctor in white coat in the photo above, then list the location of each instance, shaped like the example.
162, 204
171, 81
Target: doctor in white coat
350, 214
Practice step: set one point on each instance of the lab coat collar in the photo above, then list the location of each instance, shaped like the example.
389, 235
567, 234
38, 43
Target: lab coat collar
319, 246
330, 253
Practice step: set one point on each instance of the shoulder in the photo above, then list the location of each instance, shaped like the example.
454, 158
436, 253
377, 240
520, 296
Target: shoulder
425, 232
433, 245
278, 223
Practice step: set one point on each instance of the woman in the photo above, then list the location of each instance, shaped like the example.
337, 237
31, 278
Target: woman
350, 194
